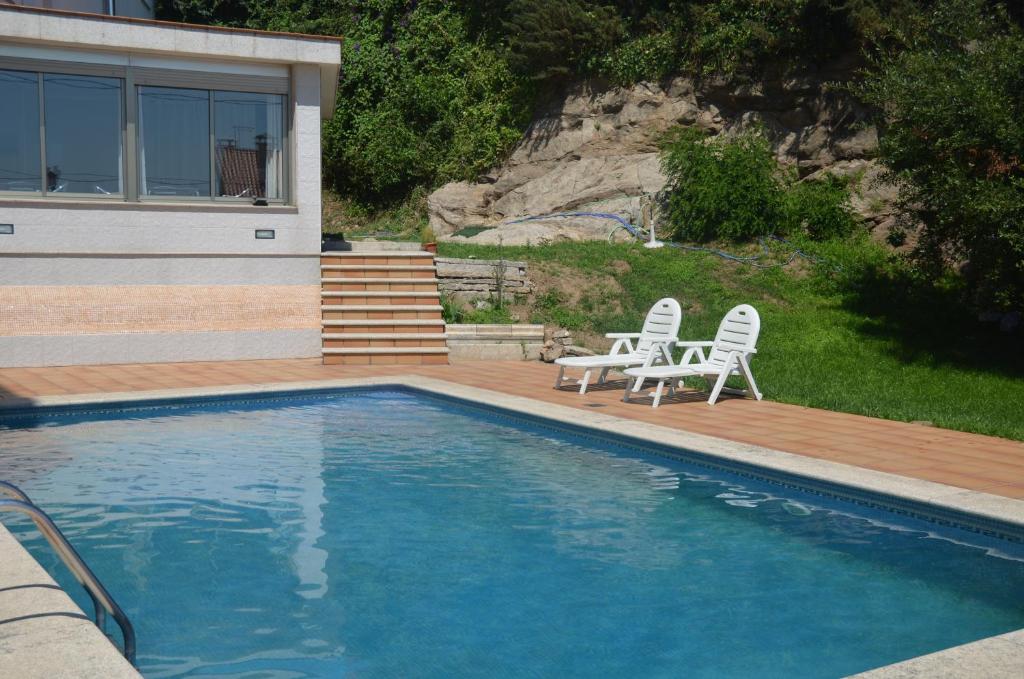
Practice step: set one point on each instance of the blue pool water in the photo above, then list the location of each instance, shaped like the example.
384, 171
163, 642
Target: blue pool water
388, 534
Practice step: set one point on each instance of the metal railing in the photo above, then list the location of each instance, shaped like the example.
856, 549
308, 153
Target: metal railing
103, 603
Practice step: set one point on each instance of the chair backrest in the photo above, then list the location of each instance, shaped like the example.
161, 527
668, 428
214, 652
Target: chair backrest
738, 331
662, 323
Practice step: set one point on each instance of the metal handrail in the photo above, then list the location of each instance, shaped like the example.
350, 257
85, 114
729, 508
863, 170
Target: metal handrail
103, 603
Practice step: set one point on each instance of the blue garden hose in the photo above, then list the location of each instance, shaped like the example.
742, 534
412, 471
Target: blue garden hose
753, 261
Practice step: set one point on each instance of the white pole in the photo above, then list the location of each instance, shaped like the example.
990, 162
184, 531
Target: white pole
647, 216
653, 242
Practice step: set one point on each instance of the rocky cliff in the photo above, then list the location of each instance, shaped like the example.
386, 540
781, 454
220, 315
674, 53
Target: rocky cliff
596, 149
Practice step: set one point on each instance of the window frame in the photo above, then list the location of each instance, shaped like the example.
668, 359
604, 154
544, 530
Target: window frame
133, 77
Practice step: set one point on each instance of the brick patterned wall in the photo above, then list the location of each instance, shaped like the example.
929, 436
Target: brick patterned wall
122, 309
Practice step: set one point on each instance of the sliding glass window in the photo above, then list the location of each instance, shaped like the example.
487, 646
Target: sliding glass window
248, 129
83, 134
63, 135
81, 118
20, 157
174, 142
242, 159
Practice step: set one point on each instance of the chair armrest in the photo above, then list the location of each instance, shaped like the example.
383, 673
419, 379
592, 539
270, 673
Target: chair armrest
622, 335
695, 344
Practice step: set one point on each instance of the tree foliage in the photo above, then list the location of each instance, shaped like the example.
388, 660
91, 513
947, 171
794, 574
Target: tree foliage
950, 86
731, 187
555, 39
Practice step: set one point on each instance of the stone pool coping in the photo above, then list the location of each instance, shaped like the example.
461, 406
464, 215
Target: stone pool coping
987, 655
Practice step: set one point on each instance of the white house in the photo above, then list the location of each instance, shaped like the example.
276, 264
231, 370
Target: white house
159, 187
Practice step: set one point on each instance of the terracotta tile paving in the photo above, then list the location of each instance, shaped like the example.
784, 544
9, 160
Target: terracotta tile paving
969, 461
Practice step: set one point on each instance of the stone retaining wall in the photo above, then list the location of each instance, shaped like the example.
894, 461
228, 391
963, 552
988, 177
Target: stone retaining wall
478, 278
494, 342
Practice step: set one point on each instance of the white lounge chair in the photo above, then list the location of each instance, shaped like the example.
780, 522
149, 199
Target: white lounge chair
730, 353
653, 345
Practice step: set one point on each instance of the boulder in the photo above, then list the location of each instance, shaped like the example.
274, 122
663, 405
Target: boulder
456, 205
595, 149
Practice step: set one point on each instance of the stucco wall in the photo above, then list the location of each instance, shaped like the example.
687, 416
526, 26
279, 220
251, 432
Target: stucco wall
88, 281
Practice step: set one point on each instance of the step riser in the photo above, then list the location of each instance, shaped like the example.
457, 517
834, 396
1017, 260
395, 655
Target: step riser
386, 359
358, 329
376, 285
430, 288
375, 260
381, 315
378, 301
377, 273
381, 344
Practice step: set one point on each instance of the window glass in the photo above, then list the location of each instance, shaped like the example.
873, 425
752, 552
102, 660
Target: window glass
174, 142
248, 130
83, 134
19, 132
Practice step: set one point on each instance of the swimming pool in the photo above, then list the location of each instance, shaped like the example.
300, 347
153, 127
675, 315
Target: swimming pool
388, 533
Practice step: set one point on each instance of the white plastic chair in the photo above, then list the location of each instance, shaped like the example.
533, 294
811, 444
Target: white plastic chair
653, 345
730, 353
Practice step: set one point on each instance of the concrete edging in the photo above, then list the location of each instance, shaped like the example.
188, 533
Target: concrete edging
43, 633
993, 657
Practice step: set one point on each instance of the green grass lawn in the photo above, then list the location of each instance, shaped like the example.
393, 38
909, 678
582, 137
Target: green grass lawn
884, 345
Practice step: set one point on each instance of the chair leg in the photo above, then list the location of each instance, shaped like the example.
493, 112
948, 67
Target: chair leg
749, 376
719, 383
585, 381
638, 385
657, 393
629, 388
603, 376
561, 376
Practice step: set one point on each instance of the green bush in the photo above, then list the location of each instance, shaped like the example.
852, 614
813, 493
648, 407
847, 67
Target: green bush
819, 208
555, 39
731, 187
420, 102
648, 57
722, 187
950, 88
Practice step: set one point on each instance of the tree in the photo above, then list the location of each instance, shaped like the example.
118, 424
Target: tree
554, 39
950, 88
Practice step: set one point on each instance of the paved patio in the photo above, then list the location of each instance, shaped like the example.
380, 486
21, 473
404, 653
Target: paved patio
970, 461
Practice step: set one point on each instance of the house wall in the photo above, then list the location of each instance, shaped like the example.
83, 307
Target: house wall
90, 281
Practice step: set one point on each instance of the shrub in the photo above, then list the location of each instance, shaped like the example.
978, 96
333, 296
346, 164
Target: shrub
731, 187
648, 57
554, 39
722, 187
820, 208
419, 102
950, 87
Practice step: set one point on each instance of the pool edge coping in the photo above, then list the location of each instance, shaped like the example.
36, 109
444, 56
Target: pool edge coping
44, 632
941, 496
1000, 651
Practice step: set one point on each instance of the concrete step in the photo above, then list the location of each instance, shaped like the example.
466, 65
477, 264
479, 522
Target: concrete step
378, 294
366, 351
380, 307
390, 358
384, 336
396, 345
379, 253
340, 280
397, 258
377, 267
381, 323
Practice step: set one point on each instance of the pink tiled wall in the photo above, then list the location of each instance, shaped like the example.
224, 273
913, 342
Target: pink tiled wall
70, 310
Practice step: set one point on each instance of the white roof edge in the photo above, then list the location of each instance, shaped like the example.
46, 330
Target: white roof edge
184, 40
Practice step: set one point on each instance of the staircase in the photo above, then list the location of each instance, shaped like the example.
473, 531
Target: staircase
381, 308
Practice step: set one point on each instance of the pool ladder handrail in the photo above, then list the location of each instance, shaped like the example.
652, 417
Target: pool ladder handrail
103, 603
